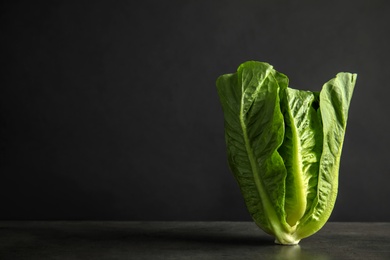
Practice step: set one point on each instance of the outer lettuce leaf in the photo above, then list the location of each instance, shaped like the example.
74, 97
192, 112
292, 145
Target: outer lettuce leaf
284, 147
335, 98
254, 130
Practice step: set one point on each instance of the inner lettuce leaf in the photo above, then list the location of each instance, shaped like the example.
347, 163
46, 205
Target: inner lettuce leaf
284, 147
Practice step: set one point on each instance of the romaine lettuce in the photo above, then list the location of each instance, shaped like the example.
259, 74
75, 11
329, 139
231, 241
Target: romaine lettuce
284, 147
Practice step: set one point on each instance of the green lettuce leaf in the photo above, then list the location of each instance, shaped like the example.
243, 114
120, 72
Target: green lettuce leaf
284, 147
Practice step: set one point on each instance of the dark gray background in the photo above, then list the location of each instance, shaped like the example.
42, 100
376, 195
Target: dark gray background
109, 109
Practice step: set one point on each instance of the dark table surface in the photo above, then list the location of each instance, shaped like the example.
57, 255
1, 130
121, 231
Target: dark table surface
185, 240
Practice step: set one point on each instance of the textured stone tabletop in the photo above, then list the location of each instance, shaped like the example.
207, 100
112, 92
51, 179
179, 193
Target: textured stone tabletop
185, 240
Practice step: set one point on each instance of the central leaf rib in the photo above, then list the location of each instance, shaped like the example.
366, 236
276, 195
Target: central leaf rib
298, 198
